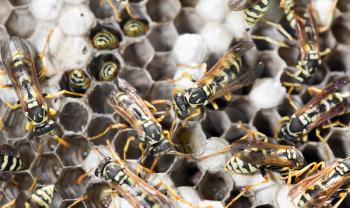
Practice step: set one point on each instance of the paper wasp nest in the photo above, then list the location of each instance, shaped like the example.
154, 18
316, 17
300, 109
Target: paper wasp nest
146, 62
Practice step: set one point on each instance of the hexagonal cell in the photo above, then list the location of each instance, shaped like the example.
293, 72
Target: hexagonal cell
104, 67
68, 185
98, 196
20, 182
234, 133
26, 152
289, 55
162, 67
74, 116
102, 11
97, 126
120, 140
285, 108
134, 27
77, 151
215, 123
5, 10
343, 6
240, 110
161, 91
47, 168
242, 202
189, 138
163, 37
75, 80
266, 31
313, 152
15, 123
341, 29
140, 79
337, 60
265, 122
188, 21
185, 173
3, 33
163, 10
105, 37
102, 92
163, 164
215, 186
138, 54
21, 23
339, 143
19, 2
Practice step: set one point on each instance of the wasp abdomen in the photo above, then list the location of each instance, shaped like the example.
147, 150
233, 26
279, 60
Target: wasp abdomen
9, 163
256, 12
236, 165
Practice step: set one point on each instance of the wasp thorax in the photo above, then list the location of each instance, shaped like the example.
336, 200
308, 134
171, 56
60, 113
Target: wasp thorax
161, 148
295, 155
44, 128
135, 27
104, 38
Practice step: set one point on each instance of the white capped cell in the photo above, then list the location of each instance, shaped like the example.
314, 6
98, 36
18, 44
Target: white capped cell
218, 162
190, 49
217, 37
267, 93
46, 9
323, 9
119, 202
210, 203
195, 72
282, 199
236, 24
76, 20
212, 10
74, 52
75, 1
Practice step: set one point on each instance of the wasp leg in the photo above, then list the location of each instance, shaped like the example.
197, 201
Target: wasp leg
280, 29
193, 115
325, 52
115, 10
173, 193
76, 202
324, 141
12, 106
313, 91
335, 124
128, 9
270, 40
330, 16
177, 90
63, 92
162, 114
183, 75
31, 188
43, 71
342, 196
6, 86
126, 148
111, 126
247, 189
290, 99
252, 133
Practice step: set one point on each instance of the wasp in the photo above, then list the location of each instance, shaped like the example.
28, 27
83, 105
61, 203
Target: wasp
223, 78
254, 153
20, 69
108, 71
253, 10
104, 38
9, 161
129, 185
327, 104
78, 81
320, 189
136, 111
135, 27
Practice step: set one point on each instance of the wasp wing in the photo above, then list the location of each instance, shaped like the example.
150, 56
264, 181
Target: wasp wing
239, 5
329, 89
233, 53
244, 79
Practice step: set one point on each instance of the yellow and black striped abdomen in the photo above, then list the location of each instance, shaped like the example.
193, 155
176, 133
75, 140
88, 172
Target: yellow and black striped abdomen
105, 40
108, 71
9, 163
238, 166
78, 81
256, 12
42, 198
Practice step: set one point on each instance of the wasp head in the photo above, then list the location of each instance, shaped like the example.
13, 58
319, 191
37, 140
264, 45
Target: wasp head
101, 166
